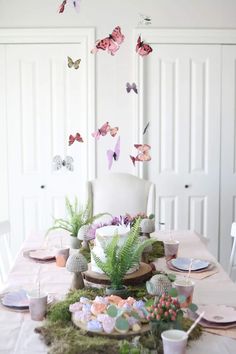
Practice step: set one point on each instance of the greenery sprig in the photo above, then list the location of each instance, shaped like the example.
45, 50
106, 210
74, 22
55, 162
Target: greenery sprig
77, 216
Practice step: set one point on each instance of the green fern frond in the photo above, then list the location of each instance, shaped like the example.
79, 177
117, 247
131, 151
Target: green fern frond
102, 265
130, 243
75, 218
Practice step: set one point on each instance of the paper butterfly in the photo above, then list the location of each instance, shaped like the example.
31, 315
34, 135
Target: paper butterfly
113, 155
62, 7
74, 3
131, 87
146, 128
143, 154
142, 48
105, 128
72, 63
144, 20
111, 43
77, 137
57, 163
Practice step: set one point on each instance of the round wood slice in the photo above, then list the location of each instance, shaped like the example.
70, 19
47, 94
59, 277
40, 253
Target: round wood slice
145, 328
140, 276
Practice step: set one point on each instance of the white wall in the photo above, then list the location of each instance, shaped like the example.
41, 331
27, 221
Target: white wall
113, 103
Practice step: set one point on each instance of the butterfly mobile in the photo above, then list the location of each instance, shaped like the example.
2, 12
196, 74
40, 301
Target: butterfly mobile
143, 153
144, 20
72, 63
113, 155
111, 43
57, 163
143, 48
74, 3
146, 128
77, 137
104, 130
131, 87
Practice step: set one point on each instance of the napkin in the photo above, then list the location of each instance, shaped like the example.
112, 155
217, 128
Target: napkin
231, 332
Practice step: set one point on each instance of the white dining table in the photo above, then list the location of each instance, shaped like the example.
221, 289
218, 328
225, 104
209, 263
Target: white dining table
17, 329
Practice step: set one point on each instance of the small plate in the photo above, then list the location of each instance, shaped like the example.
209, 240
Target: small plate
16, 299
217, 313
42, 255
207, 324
211, 267
33, 256
184, 263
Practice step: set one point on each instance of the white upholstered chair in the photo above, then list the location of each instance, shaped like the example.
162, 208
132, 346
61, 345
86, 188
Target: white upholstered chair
121, 193
233, 251
5, 253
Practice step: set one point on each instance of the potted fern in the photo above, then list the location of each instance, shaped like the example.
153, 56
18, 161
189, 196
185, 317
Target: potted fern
78, 216
119, 259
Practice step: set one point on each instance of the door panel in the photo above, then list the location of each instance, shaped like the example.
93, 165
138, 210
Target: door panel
228, 152
46, 102
182, 102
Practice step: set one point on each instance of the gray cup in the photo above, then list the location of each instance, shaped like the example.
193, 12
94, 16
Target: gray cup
171, 249
37, 305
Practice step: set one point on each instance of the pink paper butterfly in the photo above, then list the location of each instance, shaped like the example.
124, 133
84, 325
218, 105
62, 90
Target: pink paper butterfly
105, 128
131, 87
111, 43
77, 137
62, 7
143, 154
142, 48
74, 3
113, 155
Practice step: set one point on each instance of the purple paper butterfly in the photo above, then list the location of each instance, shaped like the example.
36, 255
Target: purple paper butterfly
113, 154
131, 87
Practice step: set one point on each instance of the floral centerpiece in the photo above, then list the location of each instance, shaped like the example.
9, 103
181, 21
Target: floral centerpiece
126, 220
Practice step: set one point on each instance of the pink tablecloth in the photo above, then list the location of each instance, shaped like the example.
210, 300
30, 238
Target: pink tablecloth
17, 330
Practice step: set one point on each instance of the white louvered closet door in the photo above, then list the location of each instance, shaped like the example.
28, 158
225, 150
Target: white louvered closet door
181, 99
46, 101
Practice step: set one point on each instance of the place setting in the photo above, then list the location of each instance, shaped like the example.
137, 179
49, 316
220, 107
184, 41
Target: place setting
34, 301
200, 268
217, 319
40, 255
58, 253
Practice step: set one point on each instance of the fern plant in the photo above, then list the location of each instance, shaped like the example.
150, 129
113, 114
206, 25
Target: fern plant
77, 217
119, 259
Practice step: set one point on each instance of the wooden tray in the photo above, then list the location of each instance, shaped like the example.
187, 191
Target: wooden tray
140, 276
145, 328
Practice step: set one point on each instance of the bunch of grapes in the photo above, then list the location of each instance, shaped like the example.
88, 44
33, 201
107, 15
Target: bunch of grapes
165, 309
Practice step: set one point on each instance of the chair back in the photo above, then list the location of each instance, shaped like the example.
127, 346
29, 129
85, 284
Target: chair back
121, 193
5, 253
233, 251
